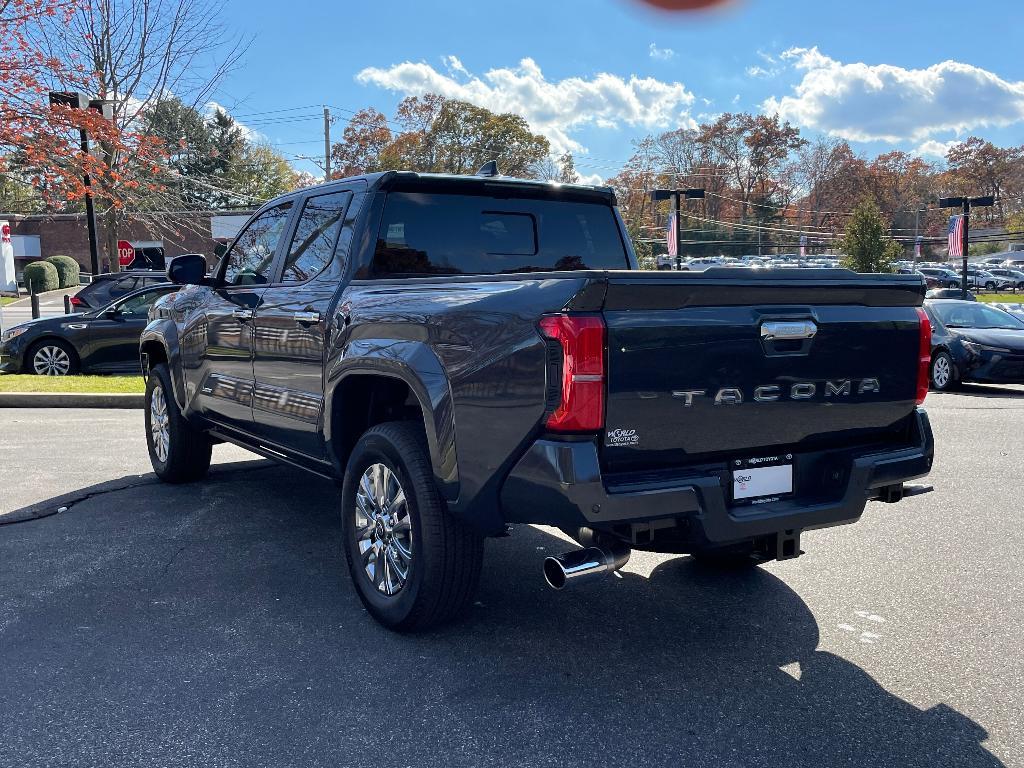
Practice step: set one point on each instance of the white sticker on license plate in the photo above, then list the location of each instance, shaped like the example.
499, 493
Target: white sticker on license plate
762, 481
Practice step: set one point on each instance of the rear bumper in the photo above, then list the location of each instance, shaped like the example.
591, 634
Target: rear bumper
560, 483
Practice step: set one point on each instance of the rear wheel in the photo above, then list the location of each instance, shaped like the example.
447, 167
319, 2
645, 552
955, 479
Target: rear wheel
942, 372
413, 565
53, 357
178, 451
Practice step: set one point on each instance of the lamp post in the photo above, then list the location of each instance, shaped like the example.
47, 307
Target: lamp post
77, 100
917, 235
677, 195
965, 204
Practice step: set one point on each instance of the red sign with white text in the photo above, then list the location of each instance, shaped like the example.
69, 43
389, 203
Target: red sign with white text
125, 253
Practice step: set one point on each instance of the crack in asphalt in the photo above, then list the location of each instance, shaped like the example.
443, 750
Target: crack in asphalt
65, 503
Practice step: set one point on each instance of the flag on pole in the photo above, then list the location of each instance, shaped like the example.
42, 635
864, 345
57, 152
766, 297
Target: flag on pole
672, 236
955, 234
803, 246
917, 247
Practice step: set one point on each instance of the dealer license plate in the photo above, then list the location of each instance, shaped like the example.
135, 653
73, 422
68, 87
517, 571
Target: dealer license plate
756, 482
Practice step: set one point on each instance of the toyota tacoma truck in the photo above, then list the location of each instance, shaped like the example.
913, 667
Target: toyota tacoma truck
465, 353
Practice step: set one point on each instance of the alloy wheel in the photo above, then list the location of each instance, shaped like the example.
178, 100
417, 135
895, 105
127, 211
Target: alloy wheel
51, 360
941, 372
159, 423
383, 529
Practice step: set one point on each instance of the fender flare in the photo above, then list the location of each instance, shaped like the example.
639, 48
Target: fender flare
415, 364
165, 333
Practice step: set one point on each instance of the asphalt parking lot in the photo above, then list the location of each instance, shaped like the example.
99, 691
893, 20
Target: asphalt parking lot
214, 625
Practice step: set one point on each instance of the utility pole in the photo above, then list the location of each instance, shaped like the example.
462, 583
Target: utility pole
327, 144
965, 204
677, 195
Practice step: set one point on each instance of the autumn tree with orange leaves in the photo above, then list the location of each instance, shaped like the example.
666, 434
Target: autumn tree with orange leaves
43, 140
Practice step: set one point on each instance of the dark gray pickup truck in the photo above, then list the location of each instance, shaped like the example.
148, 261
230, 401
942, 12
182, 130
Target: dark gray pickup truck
466, 353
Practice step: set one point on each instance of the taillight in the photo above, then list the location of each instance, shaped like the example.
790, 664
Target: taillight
924, 362
77, 302
581, 404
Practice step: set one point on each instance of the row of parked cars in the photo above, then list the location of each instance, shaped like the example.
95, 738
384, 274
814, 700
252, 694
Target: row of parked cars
971, 341
776, 261
1007, 275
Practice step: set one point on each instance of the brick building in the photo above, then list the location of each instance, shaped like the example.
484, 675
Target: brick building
37, 236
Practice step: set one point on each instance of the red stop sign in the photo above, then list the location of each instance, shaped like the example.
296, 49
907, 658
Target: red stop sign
125, 253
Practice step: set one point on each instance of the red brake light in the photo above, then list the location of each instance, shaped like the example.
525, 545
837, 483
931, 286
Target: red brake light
581, 408
924, 362
77, 302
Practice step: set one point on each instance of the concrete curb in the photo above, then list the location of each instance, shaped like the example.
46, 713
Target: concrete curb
71, 400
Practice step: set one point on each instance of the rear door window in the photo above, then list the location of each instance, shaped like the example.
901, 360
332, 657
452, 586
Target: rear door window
446, 234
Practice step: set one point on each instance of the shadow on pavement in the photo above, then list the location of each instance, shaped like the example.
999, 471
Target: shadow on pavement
214, 624
990, 390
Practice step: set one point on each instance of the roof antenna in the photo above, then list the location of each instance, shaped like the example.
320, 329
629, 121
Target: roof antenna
490, 168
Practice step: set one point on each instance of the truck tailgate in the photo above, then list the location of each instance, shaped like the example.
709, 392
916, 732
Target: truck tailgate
731, 364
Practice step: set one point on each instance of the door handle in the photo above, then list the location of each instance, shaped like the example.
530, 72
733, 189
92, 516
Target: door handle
306, 318
792, 329
243, 315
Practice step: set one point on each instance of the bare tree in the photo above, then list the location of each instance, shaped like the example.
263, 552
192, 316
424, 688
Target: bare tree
141, 52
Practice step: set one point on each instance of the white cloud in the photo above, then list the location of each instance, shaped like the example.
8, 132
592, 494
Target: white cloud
590, 178
454, 65
933, 148
881, 102
554, 108
662, 54
756, 71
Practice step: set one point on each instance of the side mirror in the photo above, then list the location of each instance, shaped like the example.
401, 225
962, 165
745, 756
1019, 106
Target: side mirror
187, 269
111, 313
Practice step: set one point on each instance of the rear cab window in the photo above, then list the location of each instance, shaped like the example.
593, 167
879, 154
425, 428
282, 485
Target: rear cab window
443, 233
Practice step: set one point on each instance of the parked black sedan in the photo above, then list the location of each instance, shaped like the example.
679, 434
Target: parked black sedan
107, 287
105, 340
972, 341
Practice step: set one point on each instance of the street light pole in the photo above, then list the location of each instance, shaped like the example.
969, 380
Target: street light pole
965, 204
76, 100
90, 213
677, 195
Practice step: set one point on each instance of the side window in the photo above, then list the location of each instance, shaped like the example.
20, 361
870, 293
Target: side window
123, 286
252, 255
138, 306
315, 236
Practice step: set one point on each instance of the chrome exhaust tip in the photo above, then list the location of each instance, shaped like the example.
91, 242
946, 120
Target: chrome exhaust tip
584, 564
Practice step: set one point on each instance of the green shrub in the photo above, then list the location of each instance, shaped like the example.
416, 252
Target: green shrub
67, 270
42, 276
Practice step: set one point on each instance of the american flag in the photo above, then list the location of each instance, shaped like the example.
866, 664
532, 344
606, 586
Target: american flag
956, 233
672, 237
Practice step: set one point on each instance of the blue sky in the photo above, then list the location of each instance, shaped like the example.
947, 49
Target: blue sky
593, 75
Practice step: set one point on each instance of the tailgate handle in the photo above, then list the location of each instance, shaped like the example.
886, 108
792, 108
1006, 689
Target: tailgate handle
788, 329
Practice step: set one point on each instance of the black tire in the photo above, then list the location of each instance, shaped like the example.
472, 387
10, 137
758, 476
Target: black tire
942, 365
31, 365
188, 450
444, 568
990, 286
